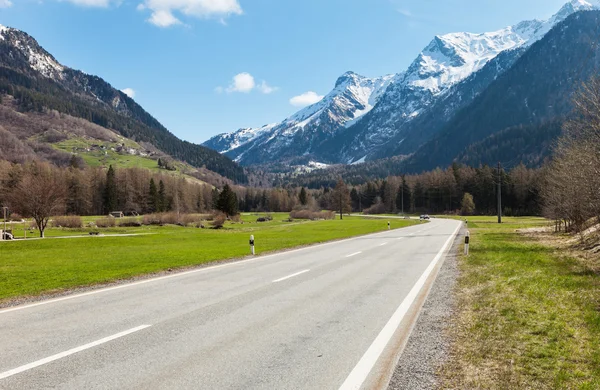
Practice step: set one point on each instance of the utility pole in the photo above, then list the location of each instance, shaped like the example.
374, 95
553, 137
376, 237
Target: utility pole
499, 195
341, 206
359, 201
402, 185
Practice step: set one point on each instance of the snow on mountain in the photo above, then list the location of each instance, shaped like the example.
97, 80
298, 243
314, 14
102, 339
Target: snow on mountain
39, 60
352, 97
225, 142
442, 65
368, 113
3, 29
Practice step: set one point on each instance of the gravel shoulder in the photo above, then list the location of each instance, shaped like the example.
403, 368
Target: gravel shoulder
428, 345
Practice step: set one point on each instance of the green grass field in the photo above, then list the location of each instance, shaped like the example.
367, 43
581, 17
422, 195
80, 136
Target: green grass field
34, 267
528, 317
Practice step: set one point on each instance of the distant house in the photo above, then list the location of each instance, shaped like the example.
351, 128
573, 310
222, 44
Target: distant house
116, 214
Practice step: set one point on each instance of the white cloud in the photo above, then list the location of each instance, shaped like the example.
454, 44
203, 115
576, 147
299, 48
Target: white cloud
306, 99
163, 10
129, 92
5, 3
162, 18
243, 82
90, 3
266, 88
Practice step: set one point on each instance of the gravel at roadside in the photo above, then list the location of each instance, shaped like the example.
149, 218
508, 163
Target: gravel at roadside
427, 347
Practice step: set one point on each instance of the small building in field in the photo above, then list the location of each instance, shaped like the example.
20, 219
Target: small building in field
116, 214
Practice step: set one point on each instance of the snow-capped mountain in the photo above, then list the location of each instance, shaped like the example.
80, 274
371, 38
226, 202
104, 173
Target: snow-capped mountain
301, 134
344, 128
38, 59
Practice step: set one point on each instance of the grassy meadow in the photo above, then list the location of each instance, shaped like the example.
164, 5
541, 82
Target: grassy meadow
33, 267
528, 313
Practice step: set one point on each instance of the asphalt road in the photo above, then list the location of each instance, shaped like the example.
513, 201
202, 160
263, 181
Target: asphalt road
324, 317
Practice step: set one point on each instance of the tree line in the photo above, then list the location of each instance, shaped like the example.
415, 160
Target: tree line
572, 182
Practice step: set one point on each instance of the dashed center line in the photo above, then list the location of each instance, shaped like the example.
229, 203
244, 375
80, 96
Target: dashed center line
385, 243
354, 254
61, 355
290, 276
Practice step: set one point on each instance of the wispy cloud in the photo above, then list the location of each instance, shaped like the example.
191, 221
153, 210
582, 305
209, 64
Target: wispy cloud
266, 88
129, 92
163, 11
245, 83
91, 3
405, 12
166, 13
5, 3
306, 99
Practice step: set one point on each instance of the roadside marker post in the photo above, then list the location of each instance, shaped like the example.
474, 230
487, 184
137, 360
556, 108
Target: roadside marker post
389, 227
467, 237
252, 244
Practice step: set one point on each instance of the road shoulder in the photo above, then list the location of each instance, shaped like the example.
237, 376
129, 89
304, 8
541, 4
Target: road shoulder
428, 344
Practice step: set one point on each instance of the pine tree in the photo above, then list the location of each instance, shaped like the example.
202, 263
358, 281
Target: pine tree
303, 197
110, 191
228, 202
162, 198
403, 197
153, 199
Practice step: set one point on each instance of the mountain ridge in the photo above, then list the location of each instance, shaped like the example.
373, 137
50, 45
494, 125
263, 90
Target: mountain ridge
437, 71
38, 81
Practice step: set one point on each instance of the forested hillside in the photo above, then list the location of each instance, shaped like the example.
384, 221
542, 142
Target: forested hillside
533, 95
45, 84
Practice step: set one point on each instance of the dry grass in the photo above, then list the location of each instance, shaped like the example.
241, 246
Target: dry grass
70, 221
107, 222
312, 215
528, 315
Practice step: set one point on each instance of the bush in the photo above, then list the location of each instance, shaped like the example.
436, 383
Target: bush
218, 220
14, 217
152, 219
69, 221
171, 219
377, 208
189, 219
106, 222
312, 215
130, 222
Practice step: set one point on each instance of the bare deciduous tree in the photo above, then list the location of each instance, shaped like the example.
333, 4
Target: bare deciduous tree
571, 192
40, 195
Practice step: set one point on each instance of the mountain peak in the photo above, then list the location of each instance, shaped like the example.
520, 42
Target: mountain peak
348, 77
3, 29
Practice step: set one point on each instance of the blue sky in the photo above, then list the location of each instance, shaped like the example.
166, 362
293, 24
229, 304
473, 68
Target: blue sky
181, 56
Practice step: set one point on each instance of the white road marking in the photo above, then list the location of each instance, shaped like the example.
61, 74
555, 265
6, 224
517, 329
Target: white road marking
69, 352
411, 234
401, 238
177, 275
363, 368
354, 254
291, 276
385, 243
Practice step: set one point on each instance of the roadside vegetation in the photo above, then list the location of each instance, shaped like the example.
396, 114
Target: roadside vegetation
528, 314
33, 267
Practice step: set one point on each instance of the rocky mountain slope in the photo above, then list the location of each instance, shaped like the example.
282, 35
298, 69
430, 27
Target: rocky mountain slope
303, 133
38, 82
528, 101
407, 110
